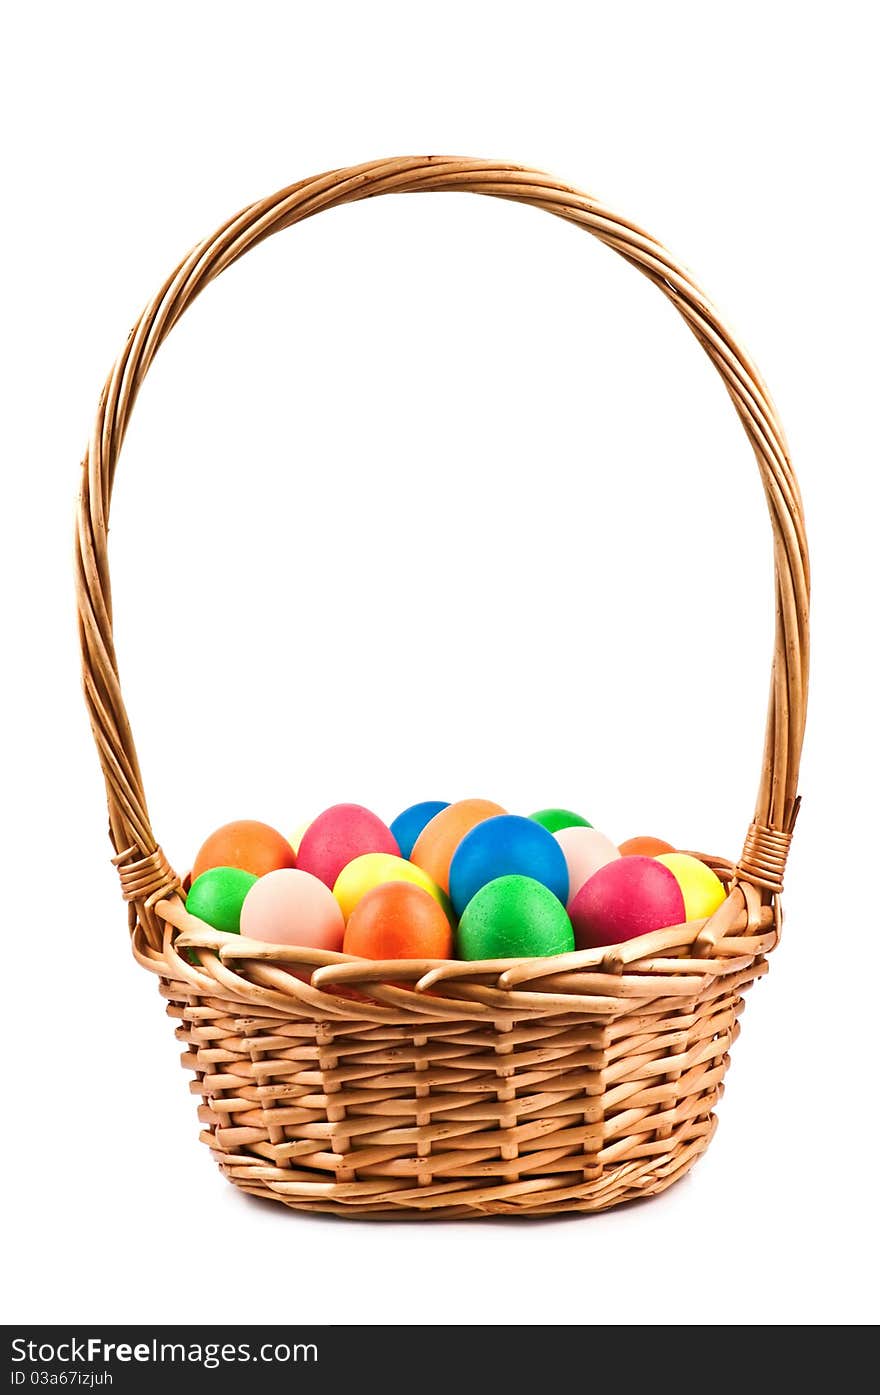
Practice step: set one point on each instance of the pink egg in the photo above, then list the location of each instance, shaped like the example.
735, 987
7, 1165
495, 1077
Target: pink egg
291, 907
623, 899
586, 850
339, 835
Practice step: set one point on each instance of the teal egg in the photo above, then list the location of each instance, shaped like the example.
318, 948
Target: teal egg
514, 917
217, 896
554, 819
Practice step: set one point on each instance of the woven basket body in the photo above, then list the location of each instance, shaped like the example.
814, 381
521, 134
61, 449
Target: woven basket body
440, 1088
472, 1104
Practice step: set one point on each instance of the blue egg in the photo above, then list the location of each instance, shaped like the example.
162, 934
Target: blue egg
408, 825
506, 846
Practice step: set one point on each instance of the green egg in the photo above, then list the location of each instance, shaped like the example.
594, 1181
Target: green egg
217, 896
554, 819
514, 917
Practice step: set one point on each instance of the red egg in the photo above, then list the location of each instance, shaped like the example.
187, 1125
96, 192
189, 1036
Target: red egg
625, 898
339, 835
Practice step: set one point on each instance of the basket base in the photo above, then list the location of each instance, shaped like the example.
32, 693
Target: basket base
617, 1186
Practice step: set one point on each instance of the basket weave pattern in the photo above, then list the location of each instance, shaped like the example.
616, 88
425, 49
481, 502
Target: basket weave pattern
434, 1088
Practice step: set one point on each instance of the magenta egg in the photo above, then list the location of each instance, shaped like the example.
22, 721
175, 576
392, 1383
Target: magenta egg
339, 835
623, 899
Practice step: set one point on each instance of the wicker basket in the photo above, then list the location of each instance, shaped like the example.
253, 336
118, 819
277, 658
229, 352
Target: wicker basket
524, 1087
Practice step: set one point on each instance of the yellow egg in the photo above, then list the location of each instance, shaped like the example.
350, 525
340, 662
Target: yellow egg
296, 836
703, 892
374, 869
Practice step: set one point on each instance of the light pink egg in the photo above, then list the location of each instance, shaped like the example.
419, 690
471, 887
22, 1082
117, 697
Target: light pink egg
586, 850
290, 907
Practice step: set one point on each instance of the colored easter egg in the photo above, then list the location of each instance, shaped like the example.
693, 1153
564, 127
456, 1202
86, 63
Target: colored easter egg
217, 897
296, 836
339, 835
408, 825
398, 920
507, 845
374, 869
435, 845
248, 844
585, 851
555, 819
291, 907
514, 917
628, 897
644, 847
702, 890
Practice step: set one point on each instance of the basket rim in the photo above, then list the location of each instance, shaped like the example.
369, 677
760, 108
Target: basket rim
678, 962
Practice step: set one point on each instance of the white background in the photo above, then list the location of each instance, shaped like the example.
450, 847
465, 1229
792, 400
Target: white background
433, 497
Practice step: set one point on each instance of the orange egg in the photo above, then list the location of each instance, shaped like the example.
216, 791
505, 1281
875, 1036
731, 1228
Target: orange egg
644, 847
439, 839
398, 920
248, 844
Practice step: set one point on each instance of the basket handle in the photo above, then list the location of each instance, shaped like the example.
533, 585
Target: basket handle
144, 871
